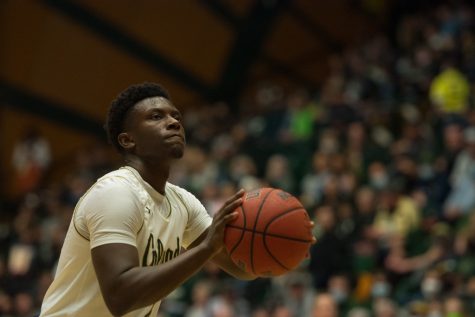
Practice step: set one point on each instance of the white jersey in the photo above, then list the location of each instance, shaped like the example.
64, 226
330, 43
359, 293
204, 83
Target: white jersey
121, 208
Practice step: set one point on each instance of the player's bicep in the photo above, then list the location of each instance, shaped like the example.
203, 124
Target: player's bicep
110, 261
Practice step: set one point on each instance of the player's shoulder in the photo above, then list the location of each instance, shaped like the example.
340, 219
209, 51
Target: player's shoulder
118, 182
120, 177
175, 191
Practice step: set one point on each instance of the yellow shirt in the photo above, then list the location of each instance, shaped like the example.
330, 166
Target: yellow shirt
450, 91
403, 219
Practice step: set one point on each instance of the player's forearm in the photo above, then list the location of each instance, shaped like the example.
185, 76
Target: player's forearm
143, 286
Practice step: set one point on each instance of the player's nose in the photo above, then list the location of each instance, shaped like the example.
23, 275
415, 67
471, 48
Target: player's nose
173, 124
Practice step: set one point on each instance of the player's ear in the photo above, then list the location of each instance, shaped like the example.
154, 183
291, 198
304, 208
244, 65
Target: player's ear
126, 141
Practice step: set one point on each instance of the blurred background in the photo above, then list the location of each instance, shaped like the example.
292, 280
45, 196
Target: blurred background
363, 109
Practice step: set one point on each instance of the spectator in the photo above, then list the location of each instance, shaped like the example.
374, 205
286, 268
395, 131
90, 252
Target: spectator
200, 297
6, 305
469, 295
365, 202
24, 305
381, 287
431, 285
327, 256
460, 201
453, 306
298, 294
31, 159
339, 287
450, 91
358, 312
300, 117
282, 311
384, 307
260, 312
314, 182
397, 213
464, 247
324, 306
399, 262
279, 173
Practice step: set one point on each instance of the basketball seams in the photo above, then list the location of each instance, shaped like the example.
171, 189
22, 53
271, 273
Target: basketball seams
264, 234
242, 231
270, 253
254, 229
268, 221
280, 215
271, 234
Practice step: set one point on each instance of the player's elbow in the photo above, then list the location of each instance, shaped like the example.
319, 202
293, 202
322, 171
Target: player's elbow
117, 305
117, 309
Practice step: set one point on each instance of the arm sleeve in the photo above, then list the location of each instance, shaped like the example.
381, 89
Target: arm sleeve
198, 218
112, 214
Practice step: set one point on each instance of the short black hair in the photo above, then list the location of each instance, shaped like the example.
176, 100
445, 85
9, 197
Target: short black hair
125, 101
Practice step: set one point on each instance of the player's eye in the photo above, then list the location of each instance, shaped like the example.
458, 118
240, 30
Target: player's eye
156, 116
177, 117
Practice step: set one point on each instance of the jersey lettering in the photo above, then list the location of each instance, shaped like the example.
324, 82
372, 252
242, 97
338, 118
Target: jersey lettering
155, 252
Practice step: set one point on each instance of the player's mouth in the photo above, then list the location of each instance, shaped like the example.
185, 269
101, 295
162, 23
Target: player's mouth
176, 137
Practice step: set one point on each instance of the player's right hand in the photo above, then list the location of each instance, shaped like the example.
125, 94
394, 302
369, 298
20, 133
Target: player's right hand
215, 237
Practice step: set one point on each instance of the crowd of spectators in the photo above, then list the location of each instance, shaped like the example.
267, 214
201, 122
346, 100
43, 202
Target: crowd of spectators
382, 157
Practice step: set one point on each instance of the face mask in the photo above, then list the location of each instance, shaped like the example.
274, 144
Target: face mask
379, 181
338, 295
380, 289
430, 287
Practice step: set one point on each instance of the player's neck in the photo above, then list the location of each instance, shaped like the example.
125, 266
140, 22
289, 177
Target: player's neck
154, 173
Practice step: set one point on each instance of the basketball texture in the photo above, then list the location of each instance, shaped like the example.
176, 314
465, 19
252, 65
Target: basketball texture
271, 235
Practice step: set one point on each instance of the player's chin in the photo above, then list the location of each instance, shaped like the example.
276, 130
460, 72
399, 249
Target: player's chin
177, 151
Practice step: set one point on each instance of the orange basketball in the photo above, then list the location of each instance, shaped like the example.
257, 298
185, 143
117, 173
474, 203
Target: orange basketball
271, 235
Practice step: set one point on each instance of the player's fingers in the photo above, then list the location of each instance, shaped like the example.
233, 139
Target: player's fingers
314, 240
230, 217
221, 222
226, 209
233, 205
235, 196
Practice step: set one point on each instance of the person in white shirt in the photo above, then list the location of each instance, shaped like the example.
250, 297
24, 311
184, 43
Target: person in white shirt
122, 252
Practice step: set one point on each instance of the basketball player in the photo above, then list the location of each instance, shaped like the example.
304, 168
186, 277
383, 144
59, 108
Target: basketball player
121, 254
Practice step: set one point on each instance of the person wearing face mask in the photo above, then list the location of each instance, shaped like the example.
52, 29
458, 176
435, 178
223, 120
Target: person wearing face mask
378, 176
380, 287
431, 285
340, 290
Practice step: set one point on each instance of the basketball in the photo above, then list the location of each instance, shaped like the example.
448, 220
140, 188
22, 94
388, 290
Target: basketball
271, 235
